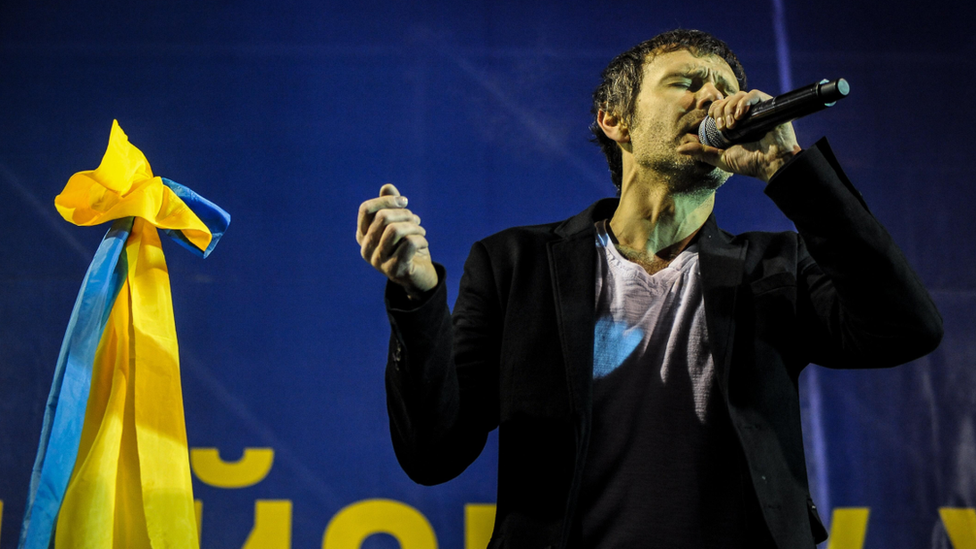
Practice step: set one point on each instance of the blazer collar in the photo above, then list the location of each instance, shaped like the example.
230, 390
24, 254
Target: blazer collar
583, 221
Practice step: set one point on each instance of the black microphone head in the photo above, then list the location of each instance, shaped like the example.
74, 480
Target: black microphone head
709, 135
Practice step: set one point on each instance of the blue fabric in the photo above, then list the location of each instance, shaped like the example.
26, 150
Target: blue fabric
212, 215
64, 414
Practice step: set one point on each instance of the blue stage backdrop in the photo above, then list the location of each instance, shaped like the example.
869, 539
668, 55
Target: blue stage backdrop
288, 114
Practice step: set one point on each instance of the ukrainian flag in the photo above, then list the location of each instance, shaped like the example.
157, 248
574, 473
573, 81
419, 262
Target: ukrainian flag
112, 469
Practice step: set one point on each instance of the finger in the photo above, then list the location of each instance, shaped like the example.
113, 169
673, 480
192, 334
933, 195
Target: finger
704, 153
733, 109
389, 190
745, 103
374, 205
381, 220
368, 209
722, 110
715, 111
391, 238
402, 263
727, 112
396, 232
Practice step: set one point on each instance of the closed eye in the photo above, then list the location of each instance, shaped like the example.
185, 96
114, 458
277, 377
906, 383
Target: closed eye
688, 84
693, 78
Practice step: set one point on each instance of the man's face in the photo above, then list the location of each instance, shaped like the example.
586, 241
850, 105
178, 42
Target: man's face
674, 97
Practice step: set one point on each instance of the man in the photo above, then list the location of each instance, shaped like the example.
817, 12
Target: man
641, 364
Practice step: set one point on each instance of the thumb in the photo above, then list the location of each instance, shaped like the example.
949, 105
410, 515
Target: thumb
389, 190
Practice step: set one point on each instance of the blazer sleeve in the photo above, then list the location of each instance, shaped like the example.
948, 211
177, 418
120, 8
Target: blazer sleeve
859, 302
442, 373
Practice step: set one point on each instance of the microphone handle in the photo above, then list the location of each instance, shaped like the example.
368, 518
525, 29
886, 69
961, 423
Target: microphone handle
766, 115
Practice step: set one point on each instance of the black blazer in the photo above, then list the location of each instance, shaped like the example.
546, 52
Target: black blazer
518, 353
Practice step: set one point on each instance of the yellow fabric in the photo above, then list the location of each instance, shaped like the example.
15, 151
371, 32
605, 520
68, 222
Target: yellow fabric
131, 485
123, 186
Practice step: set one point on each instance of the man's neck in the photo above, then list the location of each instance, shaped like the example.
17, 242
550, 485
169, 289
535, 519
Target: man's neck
652, 224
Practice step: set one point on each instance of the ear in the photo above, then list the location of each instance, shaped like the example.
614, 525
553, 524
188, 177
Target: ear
613, 126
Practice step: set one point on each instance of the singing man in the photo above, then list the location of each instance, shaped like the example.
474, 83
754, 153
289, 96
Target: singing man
640, 363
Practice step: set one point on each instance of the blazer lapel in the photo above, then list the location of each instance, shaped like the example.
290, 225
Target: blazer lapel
572, 262
721, 262
573, 265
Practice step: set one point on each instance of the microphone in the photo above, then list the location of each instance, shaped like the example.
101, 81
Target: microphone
766, 115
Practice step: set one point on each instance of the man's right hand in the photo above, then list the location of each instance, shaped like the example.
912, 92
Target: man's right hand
393, 242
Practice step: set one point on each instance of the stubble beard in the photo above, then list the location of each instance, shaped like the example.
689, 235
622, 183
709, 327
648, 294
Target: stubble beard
682, 174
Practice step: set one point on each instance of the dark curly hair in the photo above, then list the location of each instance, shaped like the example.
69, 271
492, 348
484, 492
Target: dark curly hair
621, 84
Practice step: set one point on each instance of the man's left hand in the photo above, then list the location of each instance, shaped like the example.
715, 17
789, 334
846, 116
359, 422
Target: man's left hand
760, 159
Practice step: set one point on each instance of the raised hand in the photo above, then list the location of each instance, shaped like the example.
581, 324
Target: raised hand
760, 159
392, 240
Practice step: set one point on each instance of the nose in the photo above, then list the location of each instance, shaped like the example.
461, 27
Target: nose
707, 95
